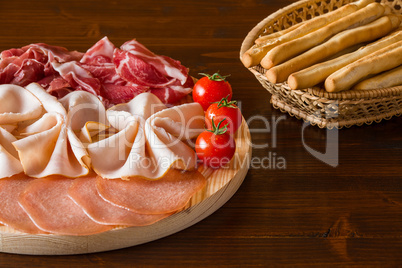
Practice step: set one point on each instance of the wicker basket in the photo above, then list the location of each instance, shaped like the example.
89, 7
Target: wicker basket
315, 105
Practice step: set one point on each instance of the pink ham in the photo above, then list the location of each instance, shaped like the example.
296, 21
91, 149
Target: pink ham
47, 202
166, 195
11, 213
83, 192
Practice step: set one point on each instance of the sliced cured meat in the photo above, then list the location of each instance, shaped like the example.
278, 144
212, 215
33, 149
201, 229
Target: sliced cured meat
100, 53
106, 73
149, 139
136, 70
171, 94
49, 206
122, 93
78, 77
168, 194
56, 53
45, 147
11, 213
165, 65
30, 71
84, 193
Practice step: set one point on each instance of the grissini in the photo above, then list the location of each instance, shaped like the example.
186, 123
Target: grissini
317, 73
256, 53
297, 46
340, 41
264, 38
374, 63
387, 79
359, 4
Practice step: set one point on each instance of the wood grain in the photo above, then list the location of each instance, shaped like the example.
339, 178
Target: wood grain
309, 213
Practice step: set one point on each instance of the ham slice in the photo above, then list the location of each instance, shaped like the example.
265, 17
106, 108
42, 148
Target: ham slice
84, 193
11, 213
49, 206
166, 195
149, 139
17, 105
47, 146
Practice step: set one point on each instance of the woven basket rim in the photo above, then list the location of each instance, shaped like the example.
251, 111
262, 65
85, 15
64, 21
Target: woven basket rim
315, 91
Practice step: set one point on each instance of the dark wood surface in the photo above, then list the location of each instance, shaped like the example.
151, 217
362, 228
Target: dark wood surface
306, 214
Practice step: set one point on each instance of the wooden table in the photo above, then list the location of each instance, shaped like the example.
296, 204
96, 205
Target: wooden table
299, 212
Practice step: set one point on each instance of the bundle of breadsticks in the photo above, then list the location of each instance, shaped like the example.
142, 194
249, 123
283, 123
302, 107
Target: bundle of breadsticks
358, 46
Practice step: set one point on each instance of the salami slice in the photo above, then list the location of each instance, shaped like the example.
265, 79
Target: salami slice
47, 203
168, 194
11, 213
83, 192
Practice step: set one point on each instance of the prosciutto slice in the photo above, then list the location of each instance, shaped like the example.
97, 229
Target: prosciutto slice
11, 213
169, 194
84, 193
149, 139
48, 204
114, 75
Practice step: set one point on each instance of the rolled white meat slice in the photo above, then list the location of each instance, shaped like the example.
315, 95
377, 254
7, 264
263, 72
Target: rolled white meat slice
49, 206
10, 162
11, 213
84, 193
166, 195
148, 144
46, 147
17, 105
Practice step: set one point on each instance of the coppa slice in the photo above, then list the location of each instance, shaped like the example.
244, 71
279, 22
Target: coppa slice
168, 194
47, 203
83, 192
11, 213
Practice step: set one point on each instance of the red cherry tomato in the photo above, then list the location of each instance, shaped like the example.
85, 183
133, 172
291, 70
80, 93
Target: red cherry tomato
211, 89
226, 111
215, 148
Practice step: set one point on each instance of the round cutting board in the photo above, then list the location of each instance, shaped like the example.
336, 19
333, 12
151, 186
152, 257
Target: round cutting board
220, 187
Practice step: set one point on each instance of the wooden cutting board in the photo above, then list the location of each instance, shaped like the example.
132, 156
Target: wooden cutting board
221, 186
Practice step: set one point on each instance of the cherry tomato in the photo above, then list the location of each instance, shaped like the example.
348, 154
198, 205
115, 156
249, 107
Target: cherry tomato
215, 148
226, 111
211, 89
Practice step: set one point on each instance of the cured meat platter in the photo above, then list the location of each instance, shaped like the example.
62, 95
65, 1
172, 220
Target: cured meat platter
221, 186
100, 150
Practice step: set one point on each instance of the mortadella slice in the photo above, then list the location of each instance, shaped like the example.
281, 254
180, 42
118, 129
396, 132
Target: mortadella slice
11, 213
83, 192
47, 203
168, 194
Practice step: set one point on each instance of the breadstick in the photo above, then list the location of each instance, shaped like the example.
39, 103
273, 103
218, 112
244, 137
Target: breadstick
256, 53
264, 38
374, 63
342, 40
318, 73
296, 46
388, 79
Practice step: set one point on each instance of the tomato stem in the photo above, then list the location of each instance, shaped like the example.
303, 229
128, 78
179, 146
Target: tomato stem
215, 76
225, 103
217, 129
